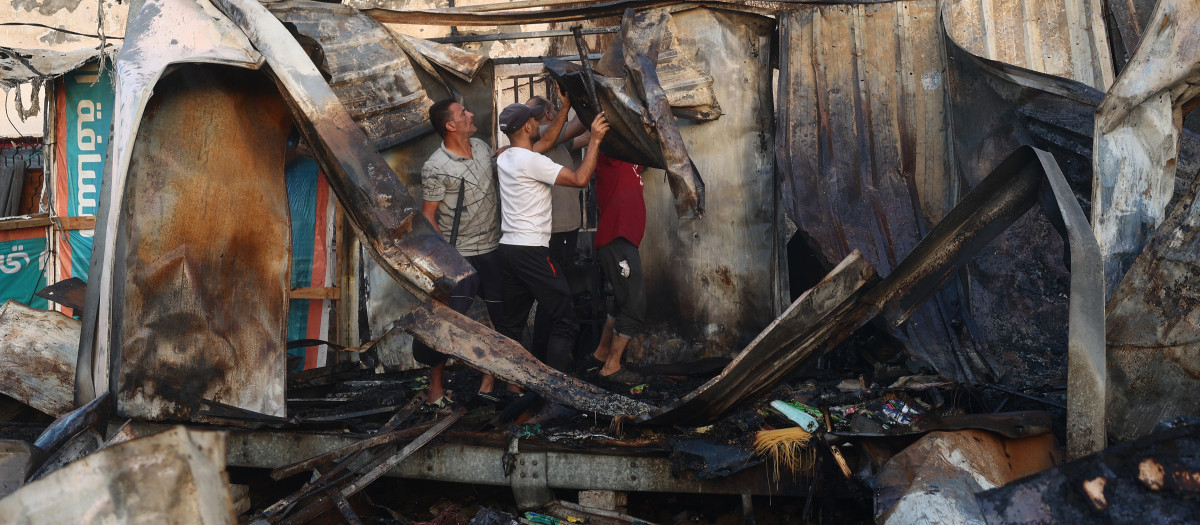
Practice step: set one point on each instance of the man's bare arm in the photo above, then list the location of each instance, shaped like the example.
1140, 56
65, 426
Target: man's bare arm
429, 210
580, 177
550, 137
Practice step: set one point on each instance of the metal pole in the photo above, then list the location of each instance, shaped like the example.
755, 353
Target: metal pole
587, 69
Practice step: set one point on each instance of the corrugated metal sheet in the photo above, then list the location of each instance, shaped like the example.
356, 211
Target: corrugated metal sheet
1065, 38
863, 149
365, 66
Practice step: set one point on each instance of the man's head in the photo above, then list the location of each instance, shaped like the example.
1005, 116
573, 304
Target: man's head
548, 111
450, 117
519, 119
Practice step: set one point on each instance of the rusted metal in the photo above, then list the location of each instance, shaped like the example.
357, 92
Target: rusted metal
366, 68
37, 357
1154, 479
636, 105
1138, 133
153, 45
206, 263
177, 476
1153, 329
460, 337
395, 12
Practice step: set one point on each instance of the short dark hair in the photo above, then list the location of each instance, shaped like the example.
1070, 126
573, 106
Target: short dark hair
538, 100
439, 115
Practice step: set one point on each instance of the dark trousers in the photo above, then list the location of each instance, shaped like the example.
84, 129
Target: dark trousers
487, 283
622, 265
562, 252
531, 274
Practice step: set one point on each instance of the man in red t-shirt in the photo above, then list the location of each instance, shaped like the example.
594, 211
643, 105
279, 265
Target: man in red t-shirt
618, 234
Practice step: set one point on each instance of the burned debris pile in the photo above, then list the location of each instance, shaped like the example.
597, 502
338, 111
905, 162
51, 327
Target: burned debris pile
904, 263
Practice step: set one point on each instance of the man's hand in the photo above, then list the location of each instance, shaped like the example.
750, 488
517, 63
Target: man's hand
564, 97
599, 128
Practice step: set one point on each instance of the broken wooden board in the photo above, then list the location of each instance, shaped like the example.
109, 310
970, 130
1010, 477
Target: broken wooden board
177, 476
458, 336
38, 349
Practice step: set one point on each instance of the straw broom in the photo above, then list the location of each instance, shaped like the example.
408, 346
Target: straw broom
787, 448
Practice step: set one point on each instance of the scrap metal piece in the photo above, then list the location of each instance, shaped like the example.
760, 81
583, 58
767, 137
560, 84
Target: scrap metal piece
1137, 136
365, 67
463, 64
177, 476
637, 108
1153, 329
1154, 479
71, 293
935, 479
458, 336
37, 357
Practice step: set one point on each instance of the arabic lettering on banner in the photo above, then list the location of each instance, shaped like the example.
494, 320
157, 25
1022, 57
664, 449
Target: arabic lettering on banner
22, 266
88, 107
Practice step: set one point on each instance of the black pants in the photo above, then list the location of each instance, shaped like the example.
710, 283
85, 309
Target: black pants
486, 283
562, 252
531, 274
622, 266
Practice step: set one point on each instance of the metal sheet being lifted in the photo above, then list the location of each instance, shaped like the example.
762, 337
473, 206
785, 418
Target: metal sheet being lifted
628, 90
366, 68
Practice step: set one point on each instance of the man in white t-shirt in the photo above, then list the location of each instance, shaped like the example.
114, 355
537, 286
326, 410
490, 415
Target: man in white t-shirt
529, 272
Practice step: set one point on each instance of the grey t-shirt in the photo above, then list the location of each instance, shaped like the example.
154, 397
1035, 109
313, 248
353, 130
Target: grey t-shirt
442, 176
565, 210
